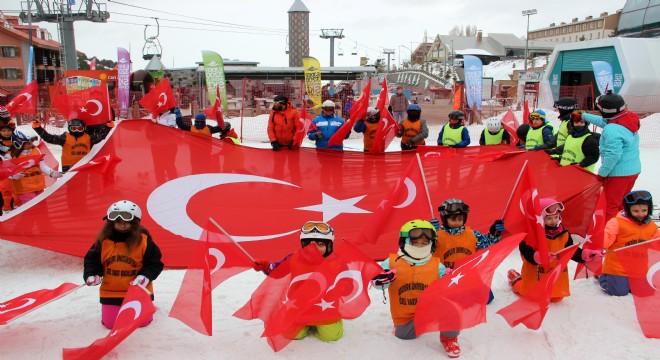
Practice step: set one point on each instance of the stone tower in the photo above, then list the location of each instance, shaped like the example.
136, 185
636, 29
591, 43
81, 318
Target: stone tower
298, 33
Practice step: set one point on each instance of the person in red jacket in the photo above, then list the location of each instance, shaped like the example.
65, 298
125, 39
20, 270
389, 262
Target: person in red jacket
283, 123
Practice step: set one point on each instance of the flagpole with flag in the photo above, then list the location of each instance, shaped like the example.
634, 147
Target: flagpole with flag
426, 186
515, 187
231, 238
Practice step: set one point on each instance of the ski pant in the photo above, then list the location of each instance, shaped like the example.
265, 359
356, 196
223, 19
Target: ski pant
615, 285
407, 331
109, 316
615, 188
327, 333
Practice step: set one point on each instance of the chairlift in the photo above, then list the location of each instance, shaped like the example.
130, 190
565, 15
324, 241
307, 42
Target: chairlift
354, 51
152, 46
340, 52
286, 49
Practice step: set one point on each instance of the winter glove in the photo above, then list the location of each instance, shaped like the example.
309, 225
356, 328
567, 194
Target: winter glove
17, 176
384, 278
93, 280
55, 174
36, 124
110, 124
448, 271
537, 257
591, 255
319, 135
497, 227
406, 146
576, 115
261, 265
140, 280
435, 223
276, 146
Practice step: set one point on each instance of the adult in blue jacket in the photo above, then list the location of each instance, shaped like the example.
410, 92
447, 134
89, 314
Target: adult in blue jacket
619, 149
326, 125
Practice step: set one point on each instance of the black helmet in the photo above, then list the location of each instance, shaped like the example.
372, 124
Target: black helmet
566, 106
638, 197
522, 131
457, 115
77, 125
610, 104
452, 207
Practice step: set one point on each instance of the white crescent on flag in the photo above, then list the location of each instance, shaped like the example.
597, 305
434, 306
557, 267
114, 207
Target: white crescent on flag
412, 194
349, 274
219, 257
164, 96
28, 302
135, 305
649, 274
98, 104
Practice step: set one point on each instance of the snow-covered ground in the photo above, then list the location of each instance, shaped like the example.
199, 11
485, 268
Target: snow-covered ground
588, 324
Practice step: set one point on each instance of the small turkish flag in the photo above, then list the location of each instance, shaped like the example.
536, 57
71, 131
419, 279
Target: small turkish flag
215, 112
304, 123
23, 304
18, 165
26, 101
89, 105
358, 112
159, 99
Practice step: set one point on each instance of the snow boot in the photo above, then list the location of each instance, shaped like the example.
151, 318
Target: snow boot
513, 276
451, 346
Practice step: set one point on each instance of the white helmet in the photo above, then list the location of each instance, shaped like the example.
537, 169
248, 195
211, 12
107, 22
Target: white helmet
328, 103
125, 209
372, 111
493, 125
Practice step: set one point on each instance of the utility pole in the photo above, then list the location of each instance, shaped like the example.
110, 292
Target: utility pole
332, 34
63, 14
527, 13
388, 52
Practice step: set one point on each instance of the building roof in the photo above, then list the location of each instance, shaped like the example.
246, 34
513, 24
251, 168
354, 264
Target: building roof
495, 44
16, 32
298, 6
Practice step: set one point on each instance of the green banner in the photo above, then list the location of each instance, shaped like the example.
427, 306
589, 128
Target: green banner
214, 68
312, 70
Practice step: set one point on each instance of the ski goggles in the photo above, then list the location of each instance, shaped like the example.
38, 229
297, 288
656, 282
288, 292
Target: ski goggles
637, 196
77, 128
457, 208
124, 215
316, 226
554, 209
418, 233
19, 143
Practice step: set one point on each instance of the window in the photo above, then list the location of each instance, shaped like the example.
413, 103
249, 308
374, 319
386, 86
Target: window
563, 30
11, 74
10, 51
592, 25
584, 26
600, 23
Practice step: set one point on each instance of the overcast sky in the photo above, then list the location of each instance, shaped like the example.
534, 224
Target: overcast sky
255, 30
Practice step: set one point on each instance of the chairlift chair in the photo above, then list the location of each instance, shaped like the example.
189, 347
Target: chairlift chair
152, 46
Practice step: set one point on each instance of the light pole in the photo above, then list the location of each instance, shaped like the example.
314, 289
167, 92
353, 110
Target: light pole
527, 13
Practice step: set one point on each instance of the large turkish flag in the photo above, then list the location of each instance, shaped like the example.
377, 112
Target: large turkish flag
180, 179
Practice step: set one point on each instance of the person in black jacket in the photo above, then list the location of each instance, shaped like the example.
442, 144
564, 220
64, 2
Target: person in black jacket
580, 147
123, 255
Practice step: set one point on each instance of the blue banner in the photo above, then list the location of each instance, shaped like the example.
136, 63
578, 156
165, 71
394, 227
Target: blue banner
30, 62
473, 83
604, 76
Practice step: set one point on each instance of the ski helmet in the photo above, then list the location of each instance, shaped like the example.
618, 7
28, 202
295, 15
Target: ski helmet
610, 104
328, 104
522, 131
19, 138
124, 209
313, 231
76, 125
453, 207
566, 106
637, 197
408, 231
456, 115
551, 206
4, 113
493, 125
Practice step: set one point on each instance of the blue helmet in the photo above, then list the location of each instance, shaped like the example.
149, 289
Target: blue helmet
19, 138
414, 107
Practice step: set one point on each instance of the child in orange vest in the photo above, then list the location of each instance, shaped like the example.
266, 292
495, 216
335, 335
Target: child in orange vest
9, 198
31, 182
631, 226
414, 263
123, 254
558, 239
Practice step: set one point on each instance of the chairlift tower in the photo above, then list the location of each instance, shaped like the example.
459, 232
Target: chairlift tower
388, 52
332, 34
64, 14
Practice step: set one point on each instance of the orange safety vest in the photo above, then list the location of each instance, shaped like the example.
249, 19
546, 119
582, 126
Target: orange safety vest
120, 267
407, 287
532, 273
205, 130
32, 180
452, 248
630, 233
75, 149
410, 130
369, 135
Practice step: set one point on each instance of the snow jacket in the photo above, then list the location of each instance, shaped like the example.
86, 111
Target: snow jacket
282, 125
619, 143
328, 125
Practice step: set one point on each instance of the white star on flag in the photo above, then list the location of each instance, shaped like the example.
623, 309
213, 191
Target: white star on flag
455, 279
82, 109
325, 305
331, 207
159, 104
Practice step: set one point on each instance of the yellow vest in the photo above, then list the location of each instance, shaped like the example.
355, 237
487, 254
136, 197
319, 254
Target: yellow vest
451, 136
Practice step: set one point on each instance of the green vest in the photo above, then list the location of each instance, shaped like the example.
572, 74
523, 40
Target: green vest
451, 136
573, 152
535, 137
491, 139
562, 134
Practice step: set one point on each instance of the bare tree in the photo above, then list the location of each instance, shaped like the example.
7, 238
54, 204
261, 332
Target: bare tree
471, 30
456, 31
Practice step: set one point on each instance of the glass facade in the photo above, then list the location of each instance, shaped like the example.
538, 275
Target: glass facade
640, 18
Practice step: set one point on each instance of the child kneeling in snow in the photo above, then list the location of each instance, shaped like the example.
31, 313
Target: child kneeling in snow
413, 265
558, 238
122, 255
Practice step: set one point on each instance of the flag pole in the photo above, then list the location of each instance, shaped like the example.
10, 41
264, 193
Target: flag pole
232, 239
515, 186
426, 187
47, 302
633, 245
